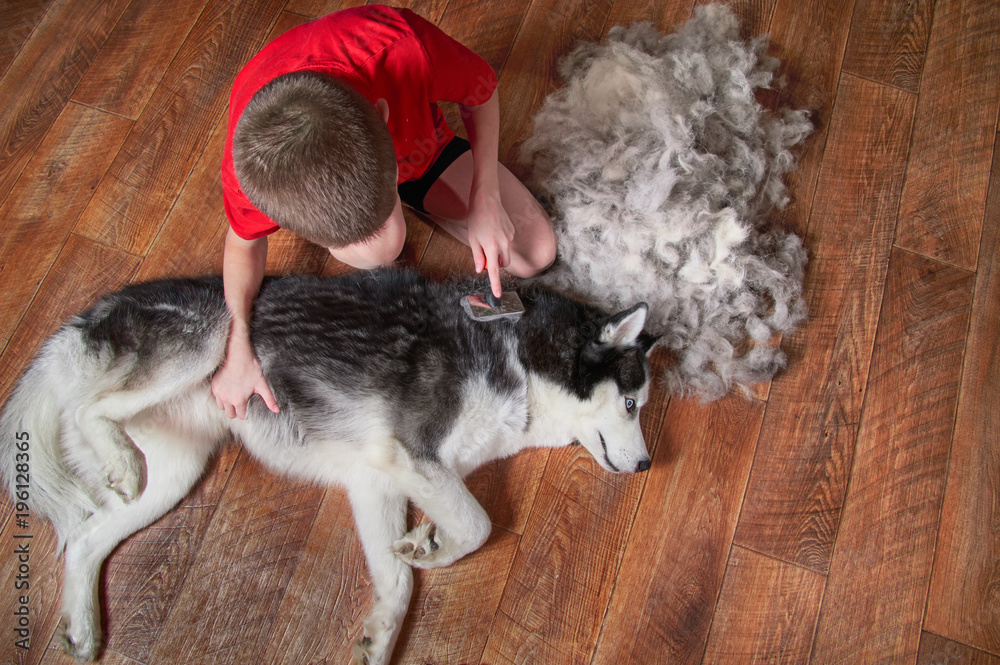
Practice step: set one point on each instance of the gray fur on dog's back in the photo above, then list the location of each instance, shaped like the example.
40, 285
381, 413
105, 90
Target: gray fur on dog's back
390, 335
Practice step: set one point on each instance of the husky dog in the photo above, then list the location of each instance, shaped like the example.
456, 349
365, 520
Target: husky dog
386, 387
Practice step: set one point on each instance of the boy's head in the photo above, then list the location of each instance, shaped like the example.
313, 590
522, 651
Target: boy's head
316, 157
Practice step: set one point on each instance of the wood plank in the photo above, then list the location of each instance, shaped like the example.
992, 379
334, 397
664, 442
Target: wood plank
43, 576
55, 655
935, 650
755, 15
135, 56
143, 577
328, 597
82, 270
564, 573
42, 208
551, 29
767, 612
331, 593
673, 569
964, 603
880, 573
143, 182
888, 41
797, 488
42, 77
489, 29
17, 22
810, 39
453, 608
666, 16
941, 214
232, 593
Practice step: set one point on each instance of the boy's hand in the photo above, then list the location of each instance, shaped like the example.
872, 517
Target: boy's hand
237, 380
490, 235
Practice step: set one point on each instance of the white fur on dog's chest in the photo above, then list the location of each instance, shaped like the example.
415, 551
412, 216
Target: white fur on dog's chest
490, 426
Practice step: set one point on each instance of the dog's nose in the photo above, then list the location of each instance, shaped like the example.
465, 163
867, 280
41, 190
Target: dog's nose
643, 465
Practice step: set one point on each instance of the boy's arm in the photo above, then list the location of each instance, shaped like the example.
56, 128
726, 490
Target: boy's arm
490, 229
241, 375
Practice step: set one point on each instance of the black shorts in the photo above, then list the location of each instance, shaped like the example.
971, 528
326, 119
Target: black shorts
412, 192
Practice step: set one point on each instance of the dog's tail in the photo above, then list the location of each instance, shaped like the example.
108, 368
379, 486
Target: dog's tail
32, 459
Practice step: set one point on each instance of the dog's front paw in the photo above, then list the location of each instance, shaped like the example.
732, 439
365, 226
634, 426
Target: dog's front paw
79, 640
418, 547
126, 475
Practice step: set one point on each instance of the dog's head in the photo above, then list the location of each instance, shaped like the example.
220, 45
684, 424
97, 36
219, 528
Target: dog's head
613, 373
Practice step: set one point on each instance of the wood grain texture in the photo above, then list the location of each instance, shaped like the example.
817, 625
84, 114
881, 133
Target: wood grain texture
135, 56
936, 650
567, 563
144, 576
673, 569
55, 655
767, 612
889, 40
42, 77
453, 609
315, 8
551, 29
793, 503
755, 16
327, 599
941, 214
965, 589
132, 202
47, 200
666, 16
44, 577
17, 22
881, 569
809, 38
248, 555
488, 29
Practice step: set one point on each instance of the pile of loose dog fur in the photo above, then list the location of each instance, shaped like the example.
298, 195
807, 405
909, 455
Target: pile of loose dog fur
660, 169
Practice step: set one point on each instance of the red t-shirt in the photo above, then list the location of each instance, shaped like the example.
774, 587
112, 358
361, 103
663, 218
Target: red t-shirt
386, 53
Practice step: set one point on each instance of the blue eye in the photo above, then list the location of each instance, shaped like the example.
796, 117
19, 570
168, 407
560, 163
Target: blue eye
629, 404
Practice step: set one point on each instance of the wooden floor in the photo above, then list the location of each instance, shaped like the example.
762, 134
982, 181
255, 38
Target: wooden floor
850, 513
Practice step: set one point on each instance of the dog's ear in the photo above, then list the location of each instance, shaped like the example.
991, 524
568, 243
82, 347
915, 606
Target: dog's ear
624, 328
647, 342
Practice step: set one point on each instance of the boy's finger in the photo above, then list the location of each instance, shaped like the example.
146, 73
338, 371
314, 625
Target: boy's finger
268, 396
494, 270
478, 257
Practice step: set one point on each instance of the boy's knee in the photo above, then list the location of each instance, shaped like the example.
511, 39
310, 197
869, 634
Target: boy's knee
537, 251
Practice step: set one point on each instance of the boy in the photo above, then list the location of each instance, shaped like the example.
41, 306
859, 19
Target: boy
324, 124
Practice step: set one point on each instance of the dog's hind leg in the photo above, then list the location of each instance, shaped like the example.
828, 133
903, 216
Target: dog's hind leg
100, 422
460, 524
380, 514
175, 466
